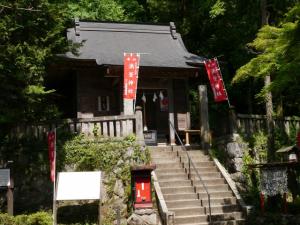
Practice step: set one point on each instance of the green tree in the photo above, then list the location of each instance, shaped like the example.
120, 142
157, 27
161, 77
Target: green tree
107, 10
31, 33
277, 56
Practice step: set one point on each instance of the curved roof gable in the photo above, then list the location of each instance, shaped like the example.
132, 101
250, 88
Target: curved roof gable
159, 45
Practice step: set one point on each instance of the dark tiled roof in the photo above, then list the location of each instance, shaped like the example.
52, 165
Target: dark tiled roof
159, 45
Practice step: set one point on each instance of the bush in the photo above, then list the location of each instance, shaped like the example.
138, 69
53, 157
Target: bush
39, 218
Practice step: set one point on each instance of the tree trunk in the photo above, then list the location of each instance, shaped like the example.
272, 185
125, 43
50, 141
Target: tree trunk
269, 102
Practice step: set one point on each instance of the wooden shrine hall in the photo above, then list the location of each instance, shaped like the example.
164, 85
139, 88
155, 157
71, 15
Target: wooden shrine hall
90, 81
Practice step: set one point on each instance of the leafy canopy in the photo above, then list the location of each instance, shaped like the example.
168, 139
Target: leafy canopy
31, 33
278, 55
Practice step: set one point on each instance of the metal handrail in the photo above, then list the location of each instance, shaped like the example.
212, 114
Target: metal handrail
193, 165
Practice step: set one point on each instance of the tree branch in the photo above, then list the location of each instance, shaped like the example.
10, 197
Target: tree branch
24, 9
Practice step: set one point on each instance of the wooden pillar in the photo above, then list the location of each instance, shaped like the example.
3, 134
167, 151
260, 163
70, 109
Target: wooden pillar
139, 125
204, 120
171, 111
188, 107
10, 198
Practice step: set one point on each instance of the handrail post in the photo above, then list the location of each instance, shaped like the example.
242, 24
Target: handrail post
189, 176
208, 195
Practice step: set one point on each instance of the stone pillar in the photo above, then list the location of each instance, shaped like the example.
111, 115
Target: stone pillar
171, 111
232, 121
139, 125
204, 120
128, 106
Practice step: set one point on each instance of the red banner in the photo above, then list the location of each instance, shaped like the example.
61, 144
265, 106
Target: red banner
215, 79
131, 69
52, 153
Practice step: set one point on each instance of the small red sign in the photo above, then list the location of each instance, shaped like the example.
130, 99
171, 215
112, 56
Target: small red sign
52, 152
131, 69
143, 192
215, 79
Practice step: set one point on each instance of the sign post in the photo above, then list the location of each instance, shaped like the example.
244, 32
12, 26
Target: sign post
52, 162
6, 181
79, 186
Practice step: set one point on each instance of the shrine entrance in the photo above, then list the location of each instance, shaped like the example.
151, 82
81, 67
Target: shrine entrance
155, 106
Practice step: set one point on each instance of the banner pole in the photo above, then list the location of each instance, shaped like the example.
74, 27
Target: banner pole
54, 184
137, 80
223, 82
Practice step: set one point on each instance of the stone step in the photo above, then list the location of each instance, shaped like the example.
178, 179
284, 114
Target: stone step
177, 190
216, 194
227, 216
192, 152
160, 148
188, 211
190, 219
165, 160
219, 201
224, 222
195, 158
166, 154
204, 163
174, 183
189, 148
204, 169
184, 196
218, 187
172, 165
227, 222
217, 209
174, 176
183, 203
203, 218
213, 181
169, 170
207, 175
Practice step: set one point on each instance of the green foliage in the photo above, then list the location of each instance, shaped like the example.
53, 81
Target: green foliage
31, 33
39, 218
278, 48
259, 144
101, 153
218, 9
112, 156
97, 10
106, 10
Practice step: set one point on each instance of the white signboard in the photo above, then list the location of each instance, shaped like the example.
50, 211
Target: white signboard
4, 177
78, 185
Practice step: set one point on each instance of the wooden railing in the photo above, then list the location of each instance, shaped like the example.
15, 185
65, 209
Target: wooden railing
109, 126
249, 124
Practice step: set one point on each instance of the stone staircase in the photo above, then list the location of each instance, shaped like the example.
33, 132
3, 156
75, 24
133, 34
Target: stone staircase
187, 197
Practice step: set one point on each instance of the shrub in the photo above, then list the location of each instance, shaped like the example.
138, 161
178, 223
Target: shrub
39, 218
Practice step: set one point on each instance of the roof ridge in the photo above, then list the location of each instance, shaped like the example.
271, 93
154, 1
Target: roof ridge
125, 30
124, 22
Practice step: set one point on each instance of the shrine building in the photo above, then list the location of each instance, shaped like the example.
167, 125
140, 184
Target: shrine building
89, 81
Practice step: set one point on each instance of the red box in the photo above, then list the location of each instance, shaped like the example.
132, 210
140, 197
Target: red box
141, 186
